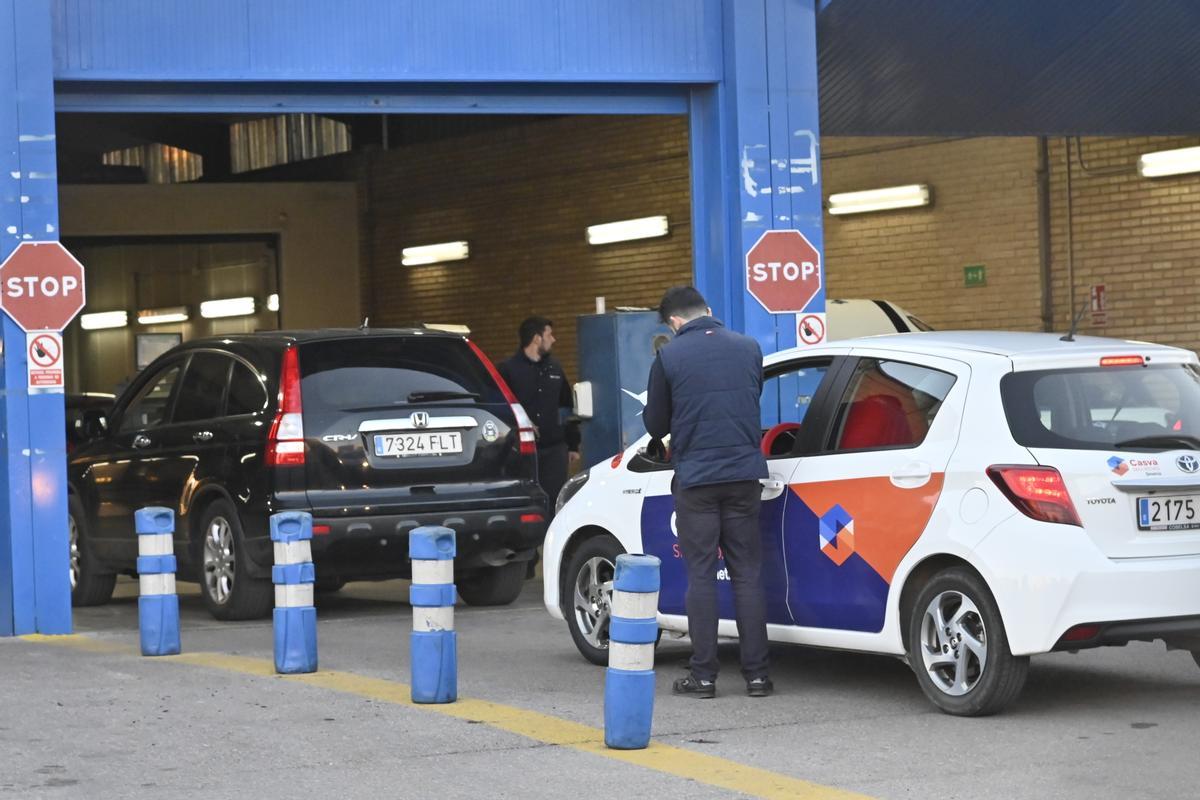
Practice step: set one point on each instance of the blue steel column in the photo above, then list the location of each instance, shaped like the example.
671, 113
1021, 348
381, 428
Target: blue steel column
35, 592
755, 155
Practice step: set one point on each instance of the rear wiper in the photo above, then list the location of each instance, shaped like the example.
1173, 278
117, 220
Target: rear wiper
427, 397
1173, 440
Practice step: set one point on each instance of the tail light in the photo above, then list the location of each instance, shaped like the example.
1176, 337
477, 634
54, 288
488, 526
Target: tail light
285, 442
1122, 361
1037, 492
525, 432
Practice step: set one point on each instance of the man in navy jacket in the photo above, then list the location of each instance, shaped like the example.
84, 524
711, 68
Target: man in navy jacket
704, 391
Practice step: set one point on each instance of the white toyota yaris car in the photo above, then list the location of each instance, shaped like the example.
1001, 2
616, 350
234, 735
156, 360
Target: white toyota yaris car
964, 500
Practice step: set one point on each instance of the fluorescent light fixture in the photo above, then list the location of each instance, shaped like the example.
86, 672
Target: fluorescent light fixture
1169, 162
161, 316
879, 199
272, 302
627, 230
448, 327
229, 307
434, 253
104, 319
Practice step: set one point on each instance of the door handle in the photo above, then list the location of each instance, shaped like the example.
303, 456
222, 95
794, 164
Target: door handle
912, 475
202, 436
772, 487
141, 441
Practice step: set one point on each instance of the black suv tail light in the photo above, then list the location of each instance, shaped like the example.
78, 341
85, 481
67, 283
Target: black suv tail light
285, 442
525, 432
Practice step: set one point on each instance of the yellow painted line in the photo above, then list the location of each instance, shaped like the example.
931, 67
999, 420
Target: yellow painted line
678, 761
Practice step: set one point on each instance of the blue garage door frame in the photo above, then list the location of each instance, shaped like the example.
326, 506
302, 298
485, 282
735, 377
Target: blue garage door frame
743, 71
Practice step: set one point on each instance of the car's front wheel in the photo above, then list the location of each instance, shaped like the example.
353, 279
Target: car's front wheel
959, 649
227, 588
587, 603
495, 586
90, 586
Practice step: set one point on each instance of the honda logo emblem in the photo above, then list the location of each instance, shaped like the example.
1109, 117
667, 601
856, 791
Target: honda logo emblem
420, 419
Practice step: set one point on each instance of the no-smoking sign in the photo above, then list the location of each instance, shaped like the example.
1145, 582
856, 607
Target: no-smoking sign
44, 350
810, 329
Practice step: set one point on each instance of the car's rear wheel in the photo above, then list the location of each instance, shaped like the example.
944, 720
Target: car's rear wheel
959, 649
229, 592
587, 602
497, 586
90, 586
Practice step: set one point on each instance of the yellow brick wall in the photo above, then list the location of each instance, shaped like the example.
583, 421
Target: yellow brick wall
1139, 237
984, 211
523, 197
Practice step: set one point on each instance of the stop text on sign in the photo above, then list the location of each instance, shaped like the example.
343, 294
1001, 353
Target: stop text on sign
30, 286
788, 271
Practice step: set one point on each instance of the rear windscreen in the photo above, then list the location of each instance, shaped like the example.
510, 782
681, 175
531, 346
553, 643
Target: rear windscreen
1101, 408
377, 372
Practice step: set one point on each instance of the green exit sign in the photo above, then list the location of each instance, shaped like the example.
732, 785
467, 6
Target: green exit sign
974, 275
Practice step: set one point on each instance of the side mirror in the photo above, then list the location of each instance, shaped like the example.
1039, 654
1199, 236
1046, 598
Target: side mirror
95, 423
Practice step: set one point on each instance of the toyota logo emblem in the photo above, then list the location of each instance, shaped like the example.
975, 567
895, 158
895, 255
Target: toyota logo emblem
420, 419
1188, 463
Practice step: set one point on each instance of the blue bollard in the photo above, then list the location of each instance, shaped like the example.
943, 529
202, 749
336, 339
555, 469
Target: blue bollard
158, 605
434, 644
632, 633
295, 618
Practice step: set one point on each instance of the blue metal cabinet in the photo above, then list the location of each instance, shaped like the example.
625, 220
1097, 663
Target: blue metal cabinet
615, 354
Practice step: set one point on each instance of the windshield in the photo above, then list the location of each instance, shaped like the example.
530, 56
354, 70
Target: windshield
1100, 408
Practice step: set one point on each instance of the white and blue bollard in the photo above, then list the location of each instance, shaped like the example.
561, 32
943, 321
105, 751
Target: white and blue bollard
293, 575
158, 604
632, 634
434, 644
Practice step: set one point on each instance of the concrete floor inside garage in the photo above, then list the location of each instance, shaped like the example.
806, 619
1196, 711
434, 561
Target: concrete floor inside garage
88, 716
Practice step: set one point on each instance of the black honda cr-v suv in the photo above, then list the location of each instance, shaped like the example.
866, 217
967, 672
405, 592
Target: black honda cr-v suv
375, 432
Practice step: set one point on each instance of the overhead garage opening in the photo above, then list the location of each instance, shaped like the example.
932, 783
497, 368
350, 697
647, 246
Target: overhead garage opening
316, 210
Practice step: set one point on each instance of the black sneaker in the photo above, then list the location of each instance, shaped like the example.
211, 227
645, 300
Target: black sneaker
695, 687
759, 687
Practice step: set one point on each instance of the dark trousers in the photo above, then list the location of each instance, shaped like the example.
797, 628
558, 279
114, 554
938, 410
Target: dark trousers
724, 515
552, 472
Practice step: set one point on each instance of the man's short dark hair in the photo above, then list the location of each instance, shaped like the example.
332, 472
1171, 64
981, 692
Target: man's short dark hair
682, 301
532, 327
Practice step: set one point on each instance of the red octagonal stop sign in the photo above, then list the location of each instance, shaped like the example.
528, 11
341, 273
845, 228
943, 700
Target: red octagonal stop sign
41, 286
783, 272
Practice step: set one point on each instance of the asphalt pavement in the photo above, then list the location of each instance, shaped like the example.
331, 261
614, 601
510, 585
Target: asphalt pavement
87, 716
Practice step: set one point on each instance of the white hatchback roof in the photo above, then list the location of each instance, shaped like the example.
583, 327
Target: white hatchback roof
1026, 350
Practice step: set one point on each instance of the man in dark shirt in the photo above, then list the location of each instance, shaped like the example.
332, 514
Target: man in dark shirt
704, 391
541, 387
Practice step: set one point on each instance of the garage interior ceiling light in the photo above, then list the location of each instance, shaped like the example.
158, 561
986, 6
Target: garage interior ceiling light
1169, 162
910, 196
161, 316
627, 230
434, 253
272, 302
229, 307
104, 319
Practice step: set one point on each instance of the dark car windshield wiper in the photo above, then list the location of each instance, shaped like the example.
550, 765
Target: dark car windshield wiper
1178, 441
427, 397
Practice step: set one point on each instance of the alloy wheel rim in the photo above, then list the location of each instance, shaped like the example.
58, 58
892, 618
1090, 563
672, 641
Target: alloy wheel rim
954, 643
73, 530
593, 600
219, 560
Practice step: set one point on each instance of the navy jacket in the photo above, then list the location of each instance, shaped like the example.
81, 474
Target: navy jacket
542, 389
704, 390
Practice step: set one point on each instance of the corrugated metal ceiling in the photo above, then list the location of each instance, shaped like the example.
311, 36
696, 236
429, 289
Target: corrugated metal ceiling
1009, 67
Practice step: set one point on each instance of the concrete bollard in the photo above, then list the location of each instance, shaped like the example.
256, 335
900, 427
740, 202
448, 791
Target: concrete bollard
632, 634
434, 644
158, 604
293, 575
